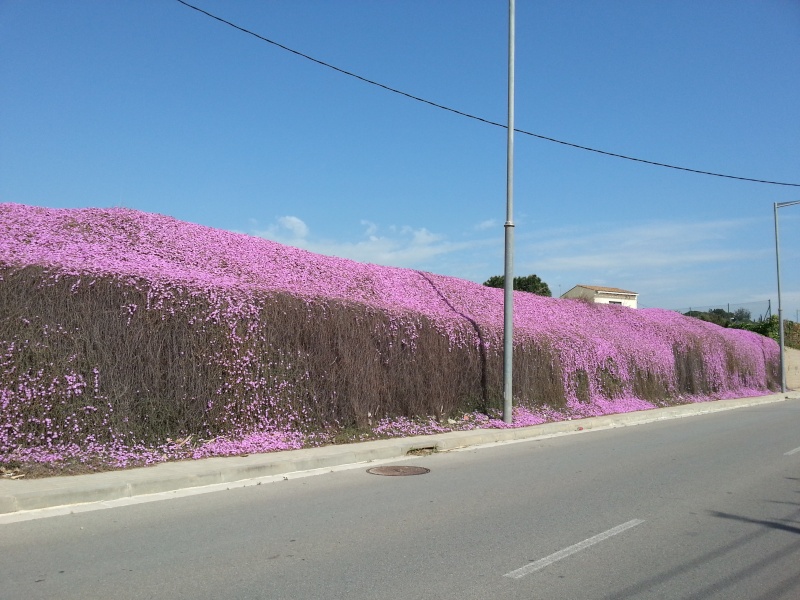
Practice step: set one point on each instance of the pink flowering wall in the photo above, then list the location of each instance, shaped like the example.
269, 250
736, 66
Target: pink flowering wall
120, 328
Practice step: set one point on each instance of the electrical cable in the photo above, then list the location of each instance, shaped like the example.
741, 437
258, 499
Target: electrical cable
474, 117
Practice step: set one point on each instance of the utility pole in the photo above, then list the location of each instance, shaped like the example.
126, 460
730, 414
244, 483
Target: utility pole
775, 208
508, 288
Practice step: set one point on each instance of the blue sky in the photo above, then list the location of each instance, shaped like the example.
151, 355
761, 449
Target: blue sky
150, 105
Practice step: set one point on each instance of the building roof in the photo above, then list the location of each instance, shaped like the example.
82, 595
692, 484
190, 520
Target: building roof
600, 288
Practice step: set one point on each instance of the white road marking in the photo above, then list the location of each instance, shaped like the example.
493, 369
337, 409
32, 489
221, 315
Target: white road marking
68, 509
549, 560
790, 452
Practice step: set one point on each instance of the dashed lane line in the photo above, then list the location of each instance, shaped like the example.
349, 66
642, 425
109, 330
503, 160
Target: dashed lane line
549, 560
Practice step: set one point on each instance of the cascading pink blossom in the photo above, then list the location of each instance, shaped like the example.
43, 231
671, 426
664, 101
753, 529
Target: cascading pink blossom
231, 269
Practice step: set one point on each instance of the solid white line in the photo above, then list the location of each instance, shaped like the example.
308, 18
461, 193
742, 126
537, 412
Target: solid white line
68, 509
549, 560
790, 452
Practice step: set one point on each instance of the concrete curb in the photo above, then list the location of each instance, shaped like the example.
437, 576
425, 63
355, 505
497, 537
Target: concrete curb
21, 495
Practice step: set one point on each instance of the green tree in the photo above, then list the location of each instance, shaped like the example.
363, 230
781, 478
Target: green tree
791, 333
529, 283
718, 316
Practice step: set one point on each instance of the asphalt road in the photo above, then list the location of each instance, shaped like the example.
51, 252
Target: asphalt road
706, 507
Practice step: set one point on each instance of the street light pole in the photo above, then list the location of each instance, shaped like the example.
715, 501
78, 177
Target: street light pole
775, 208
508, 287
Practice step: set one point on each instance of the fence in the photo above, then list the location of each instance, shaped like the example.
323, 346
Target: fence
741, 312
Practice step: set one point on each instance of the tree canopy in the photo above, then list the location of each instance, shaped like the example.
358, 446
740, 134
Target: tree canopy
529, 283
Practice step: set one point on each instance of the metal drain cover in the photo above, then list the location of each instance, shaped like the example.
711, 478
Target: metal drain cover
395, 471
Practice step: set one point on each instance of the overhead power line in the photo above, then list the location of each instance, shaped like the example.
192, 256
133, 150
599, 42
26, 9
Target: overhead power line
474, 117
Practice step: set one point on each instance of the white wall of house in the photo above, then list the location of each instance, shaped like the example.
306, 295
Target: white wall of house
602, 298
599, 295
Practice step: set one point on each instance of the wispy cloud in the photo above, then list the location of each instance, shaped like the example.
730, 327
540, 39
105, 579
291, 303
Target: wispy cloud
672, 264
487, 224
672, 244
630, 259
668, 262
295, 226
398, 246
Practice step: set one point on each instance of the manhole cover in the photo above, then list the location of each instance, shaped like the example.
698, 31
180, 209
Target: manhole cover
398, 470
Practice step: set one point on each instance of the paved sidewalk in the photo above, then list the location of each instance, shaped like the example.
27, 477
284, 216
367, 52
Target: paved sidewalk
21, 495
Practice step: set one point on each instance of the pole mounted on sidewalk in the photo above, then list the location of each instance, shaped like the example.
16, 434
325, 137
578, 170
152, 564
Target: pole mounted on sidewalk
508, 288
775, 208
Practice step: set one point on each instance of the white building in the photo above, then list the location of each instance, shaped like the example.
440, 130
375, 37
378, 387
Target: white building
603, 295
